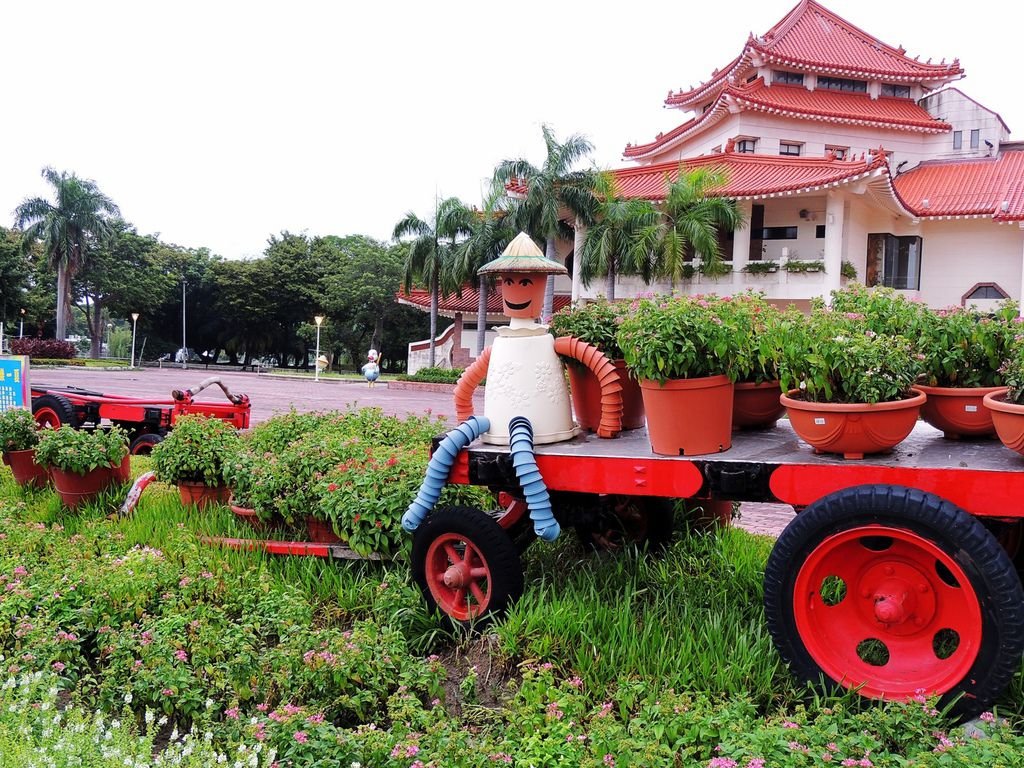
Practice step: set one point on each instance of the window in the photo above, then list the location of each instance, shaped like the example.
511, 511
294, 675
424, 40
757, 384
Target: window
839, 152
894, 262
843, 84
789, 148
792, 78
958, 139
899, 91
746, 145
819, 231
779, 233
975, 138
985, 291
752, 78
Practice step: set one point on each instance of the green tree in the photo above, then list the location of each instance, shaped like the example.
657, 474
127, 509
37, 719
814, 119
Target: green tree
15, 269
69, 228
615, 242
692, 217
552, 187
431, 247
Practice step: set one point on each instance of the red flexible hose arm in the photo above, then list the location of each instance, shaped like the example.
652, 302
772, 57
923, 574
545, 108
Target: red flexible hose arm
467, 384
607, 377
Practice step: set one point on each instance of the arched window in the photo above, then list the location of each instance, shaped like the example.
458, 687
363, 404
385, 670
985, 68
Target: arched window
982, 291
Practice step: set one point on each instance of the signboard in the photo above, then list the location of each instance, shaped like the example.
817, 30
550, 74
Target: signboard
14, 389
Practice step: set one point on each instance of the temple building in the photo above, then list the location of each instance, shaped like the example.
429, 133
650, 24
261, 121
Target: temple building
841, 148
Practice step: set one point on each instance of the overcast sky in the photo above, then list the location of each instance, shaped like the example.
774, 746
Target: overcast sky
218, 124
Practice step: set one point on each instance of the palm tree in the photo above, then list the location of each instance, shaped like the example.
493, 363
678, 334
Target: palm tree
615, 242
489, 232
692, 217
430, 253
67, 229
549, 189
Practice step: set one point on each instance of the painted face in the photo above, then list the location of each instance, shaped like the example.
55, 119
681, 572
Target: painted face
523, 294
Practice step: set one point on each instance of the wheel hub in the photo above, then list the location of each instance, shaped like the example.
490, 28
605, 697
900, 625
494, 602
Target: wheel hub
901, 598
456, 576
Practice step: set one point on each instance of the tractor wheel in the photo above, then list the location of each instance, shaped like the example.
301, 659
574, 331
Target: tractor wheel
54, 411
143, 444
622, 521
894, 592
466, 566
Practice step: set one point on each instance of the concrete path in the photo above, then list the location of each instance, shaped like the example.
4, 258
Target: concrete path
272, 394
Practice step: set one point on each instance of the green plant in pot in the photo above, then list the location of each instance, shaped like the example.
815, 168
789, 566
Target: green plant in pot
849, 388
18, 439
682, 348
84, 463
597, 323
193, 456
1006, 405
760, 328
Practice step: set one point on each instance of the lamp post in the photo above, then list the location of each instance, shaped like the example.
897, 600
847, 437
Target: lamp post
184, 346
135, 319
316, 360
110, 331
21, 327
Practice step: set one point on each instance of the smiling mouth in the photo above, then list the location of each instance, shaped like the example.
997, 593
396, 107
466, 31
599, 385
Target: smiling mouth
524, 305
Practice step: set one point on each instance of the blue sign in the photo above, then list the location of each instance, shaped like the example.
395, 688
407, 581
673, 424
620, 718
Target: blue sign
14, 390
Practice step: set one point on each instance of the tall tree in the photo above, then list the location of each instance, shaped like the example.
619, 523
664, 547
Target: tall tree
14, 273
615, 242
550, 188
68, 227
489, 232
431, 246
692, 217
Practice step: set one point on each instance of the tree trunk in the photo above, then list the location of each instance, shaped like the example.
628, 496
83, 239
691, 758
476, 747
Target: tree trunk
549, 290
481, 317
579, 238
434, 291
63, 286
609, 288
377, 341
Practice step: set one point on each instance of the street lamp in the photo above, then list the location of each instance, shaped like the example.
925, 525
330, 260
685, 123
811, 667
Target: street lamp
110, 331
135, 319
316, 360
184, 346
21, 328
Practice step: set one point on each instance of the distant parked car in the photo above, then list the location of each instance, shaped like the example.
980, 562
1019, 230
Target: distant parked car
179, 356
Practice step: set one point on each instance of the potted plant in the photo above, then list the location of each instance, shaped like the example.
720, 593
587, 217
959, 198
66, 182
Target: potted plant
597, 323
1006, 405
760, 328
18, 440
964, 351
795, 266
761, 267
84, 463
193, 457
684, 356
849, 389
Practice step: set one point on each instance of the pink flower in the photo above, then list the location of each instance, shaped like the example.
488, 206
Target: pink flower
262, 707
167, 692
789, 724
300, 736
722, 762
232, 713
609, 760
180, 655
316, 719
987, 717
58, 666
412, 750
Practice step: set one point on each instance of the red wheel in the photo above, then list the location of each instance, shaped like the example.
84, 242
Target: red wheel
54, 411
887, 612
894, 592
466, 565
143, 444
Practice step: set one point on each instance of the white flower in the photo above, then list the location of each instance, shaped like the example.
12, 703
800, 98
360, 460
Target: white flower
128, 698
162, 720
209, 703
149, 717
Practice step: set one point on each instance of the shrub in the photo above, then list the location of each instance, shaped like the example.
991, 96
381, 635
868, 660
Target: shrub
596, 323
965, 348
1012, 372
761, 267
18, 431
81, 451
44, 348
58, 361
433, 375
196, 450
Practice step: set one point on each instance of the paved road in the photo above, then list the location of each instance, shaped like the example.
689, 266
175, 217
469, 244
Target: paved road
276, 394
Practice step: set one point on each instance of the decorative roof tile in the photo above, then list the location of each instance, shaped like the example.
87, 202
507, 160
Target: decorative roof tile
982, 187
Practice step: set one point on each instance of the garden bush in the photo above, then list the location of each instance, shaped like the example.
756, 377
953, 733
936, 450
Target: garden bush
44, 348
433, 375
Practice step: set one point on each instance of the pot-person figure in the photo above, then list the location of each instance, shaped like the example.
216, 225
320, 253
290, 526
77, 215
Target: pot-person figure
372, 368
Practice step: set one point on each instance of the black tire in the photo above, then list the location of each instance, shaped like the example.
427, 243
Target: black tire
143, 444
877, 541
466, 530
54, 411
615, 522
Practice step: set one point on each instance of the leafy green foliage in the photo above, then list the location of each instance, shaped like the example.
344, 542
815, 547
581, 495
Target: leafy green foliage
434, 375
18, 430
847, 270
761, 267
966, 348
804, 267
595, 322
51, 349
1012, 371
196, 450
81, 451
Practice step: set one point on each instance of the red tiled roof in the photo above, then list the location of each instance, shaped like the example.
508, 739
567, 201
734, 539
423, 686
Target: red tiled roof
976, 187
749, 175
465, 304
812, 38
797, 101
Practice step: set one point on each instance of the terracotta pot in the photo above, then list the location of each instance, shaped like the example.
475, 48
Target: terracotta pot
1008, 419
321, 531
25, 470
201, 495
756, 406
586, 397
958, 411
852, 429
75, 490
689, 417
251, 518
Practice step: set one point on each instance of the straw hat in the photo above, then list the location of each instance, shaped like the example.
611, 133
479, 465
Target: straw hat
522, 255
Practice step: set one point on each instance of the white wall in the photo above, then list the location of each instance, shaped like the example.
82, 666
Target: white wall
963, 114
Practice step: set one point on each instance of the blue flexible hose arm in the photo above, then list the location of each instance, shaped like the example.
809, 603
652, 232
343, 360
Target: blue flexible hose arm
534, 490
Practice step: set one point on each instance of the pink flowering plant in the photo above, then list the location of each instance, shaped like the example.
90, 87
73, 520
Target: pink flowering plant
760, 329
18, 430
963, 347
196, 450
596, 322
1012, 371
81, 451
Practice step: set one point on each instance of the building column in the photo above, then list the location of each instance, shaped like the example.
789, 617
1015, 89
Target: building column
580, 234
834, 224
741, 244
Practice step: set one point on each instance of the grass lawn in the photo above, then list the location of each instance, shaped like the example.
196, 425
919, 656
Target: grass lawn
131, 641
